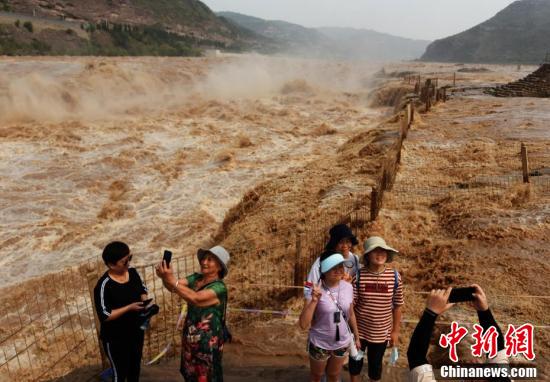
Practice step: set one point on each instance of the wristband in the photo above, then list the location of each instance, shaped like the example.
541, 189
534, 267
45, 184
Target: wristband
176, 286
431, 312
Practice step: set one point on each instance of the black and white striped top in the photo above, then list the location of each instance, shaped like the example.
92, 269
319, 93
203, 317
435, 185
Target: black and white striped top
109, 295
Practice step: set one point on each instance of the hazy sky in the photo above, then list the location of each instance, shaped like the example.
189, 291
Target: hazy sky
421, 19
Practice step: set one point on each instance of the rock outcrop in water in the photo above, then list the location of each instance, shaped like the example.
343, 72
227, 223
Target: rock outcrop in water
517, 34
536, 84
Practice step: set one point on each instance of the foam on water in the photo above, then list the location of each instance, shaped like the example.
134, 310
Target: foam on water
150, 151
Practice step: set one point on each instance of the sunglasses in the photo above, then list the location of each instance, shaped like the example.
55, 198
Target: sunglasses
127, 261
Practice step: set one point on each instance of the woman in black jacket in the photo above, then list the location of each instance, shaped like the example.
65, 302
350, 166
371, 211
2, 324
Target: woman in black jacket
119, 296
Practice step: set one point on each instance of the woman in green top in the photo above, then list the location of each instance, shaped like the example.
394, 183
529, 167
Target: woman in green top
206, 296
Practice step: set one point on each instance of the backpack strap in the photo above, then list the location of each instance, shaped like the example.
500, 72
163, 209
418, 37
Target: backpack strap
395, 285
358, 283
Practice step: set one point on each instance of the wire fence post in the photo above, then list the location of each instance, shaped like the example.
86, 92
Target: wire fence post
524, 163
92, 279
428, 94
454, 79
298, 262
373, 204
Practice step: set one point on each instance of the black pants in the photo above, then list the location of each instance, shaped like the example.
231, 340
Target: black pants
375, 355
125, 357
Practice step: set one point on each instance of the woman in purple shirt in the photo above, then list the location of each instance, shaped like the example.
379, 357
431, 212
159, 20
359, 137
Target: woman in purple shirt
328, 313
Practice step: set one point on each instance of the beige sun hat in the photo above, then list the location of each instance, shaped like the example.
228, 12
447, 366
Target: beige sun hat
221, 254
374, 242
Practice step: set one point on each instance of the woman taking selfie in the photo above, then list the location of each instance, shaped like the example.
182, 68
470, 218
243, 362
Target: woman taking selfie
203, 331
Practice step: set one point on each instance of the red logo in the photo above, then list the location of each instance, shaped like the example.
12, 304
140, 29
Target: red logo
376, 288
520, 341
452, 339
484, 342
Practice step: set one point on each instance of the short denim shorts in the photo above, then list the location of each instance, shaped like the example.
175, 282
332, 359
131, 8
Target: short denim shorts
322, 355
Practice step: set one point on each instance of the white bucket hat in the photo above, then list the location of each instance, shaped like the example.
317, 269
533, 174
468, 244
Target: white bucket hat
221, 254
374, 242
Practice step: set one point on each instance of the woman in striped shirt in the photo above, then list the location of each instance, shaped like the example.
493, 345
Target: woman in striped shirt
378, 297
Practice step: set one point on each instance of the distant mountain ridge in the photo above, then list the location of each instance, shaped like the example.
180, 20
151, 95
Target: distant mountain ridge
178, 27
366, 43
520, 33
331, 42
288, 37
188, 17
119, 27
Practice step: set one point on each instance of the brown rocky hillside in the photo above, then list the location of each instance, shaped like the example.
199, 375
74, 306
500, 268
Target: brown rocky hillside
188, 17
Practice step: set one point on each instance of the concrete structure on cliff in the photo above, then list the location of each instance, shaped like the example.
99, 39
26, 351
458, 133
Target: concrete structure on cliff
536, 84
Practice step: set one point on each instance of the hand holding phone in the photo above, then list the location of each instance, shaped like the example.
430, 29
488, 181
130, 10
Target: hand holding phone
480, 299
438, 300
167, 257
462, 294
145, 303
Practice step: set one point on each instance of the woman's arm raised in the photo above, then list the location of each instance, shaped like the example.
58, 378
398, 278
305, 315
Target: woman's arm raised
202, 298
309, 307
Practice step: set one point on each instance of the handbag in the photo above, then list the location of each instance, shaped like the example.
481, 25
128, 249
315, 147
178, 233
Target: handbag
226, 333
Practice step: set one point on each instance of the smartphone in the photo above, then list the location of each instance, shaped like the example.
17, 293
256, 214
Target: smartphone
462, 294
167, 257
146, 302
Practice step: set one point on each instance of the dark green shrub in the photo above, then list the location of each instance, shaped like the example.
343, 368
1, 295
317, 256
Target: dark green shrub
28, 25
4, 6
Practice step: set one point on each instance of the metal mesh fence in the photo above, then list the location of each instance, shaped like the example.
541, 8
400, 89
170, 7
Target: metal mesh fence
48, 326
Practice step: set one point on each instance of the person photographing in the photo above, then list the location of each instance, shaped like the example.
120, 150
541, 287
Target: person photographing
204, 331
437, 303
